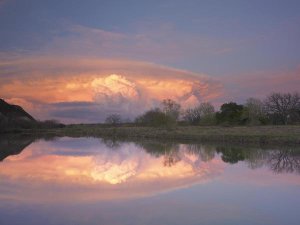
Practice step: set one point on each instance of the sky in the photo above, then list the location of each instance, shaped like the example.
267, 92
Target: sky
78, 61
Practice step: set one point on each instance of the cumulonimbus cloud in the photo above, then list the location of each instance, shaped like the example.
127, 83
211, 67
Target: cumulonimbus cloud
87, 90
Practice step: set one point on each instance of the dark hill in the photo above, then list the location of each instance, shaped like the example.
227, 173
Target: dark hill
13, 112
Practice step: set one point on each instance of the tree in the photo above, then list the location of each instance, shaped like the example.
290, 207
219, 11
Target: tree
230, 113
254, 111
202, 114
283, 107
192, 116
113, 119
171, 108
207, 113
155, 117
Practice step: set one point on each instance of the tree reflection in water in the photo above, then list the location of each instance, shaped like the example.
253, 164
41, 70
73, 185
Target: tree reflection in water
231, 154
111, 143
285, 160
280, 160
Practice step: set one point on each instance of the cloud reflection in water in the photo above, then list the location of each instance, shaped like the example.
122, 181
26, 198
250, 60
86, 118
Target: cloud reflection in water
95, 171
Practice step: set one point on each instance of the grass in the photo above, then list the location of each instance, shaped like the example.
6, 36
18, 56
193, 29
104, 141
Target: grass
283, 135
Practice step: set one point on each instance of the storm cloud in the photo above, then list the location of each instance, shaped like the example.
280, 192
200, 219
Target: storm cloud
88, 90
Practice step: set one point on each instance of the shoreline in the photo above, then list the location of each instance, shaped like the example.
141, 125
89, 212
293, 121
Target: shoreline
262, 135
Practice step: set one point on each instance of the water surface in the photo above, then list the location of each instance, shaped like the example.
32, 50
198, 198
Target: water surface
95, 181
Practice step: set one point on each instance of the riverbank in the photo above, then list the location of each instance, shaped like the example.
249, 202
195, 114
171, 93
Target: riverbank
281, 135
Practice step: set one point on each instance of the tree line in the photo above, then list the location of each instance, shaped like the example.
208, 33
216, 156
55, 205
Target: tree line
275, 109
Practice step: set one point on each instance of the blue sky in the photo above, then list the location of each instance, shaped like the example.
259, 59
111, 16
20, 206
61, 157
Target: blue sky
232, 36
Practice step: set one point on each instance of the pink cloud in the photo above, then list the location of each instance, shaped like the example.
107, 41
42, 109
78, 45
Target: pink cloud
135, 87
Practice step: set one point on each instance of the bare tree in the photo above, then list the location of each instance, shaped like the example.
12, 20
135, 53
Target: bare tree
156, 118
254, 110
171, 108
113, 119
192, 116
205, 113
206, 109
283, 106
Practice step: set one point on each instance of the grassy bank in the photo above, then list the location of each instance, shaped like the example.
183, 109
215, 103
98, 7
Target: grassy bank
283, 135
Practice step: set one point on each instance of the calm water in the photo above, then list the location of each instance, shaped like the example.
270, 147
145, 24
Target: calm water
93, 181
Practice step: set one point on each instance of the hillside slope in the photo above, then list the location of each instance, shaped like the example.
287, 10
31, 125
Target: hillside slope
13, 112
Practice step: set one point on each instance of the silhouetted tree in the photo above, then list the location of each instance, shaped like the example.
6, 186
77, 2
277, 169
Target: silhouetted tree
283, 107
254, 112
155, 117
230, 113
50, 124
207, 113
192, 116
171, 108
113, 119
202, 114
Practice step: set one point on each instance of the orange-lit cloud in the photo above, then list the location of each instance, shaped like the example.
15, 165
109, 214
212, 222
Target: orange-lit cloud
107, 86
